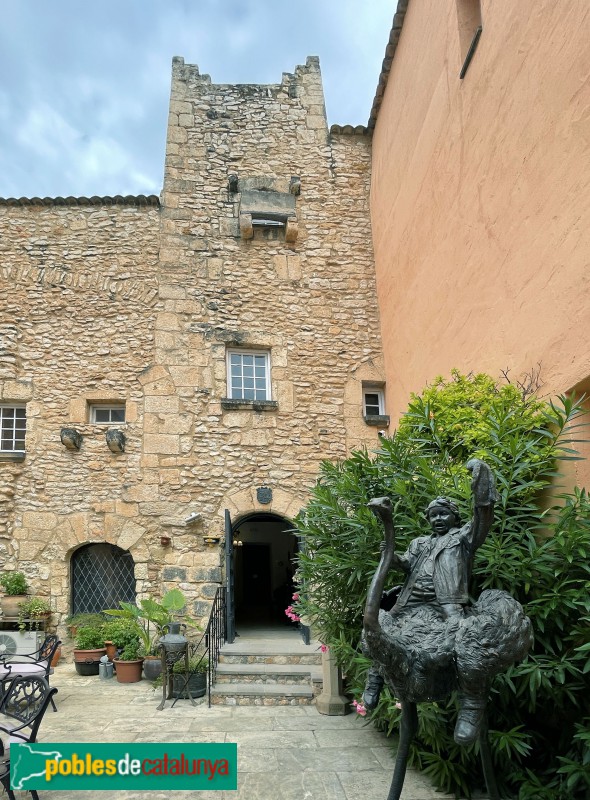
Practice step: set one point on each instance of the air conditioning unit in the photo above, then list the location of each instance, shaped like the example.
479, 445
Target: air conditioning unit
19, 643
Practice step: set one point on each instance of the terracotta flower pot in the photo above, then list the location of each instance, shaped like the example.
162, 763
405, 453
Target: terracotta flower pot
89, 655
10, 602
111, 650
128, 671
56, 657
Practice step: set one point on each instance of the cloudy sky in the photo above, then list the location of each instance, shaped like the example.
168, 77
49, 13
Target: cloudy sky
84, 86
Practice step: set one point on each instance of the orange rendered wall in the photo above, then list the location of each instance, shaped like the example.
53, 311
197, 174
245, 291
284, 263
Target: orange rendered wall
481, 197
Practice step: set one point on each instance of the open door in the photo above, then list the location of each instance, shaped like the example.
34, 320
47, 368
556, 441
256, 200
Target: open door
230, 603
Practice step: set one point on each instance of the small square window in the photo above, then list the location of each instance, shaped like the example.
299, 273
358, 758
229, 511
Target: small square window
107, 415
13, 423
248, 375
373, 402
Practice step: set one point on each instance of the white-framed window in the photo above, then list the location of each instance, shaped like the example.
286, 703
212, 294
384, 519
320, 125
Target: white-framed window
248, 374
373, 402
13, 426
107, 414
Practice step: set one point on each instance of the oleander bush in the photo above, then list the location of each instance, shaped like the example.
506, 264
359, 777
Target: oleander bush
538, 550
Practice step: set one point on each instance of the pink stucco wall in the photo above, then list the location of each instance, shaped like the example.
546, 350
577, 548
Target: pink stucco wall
481, 197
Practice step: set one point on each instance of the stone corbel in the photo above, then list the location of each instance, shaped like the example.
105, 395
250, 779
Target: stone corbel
246, 229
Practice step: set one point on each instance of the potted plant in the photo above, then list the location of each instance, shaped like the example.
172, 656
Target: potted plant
15, 587
152, 617
89, 647
129, 663
31, 612
152, 662
81, 619
118, 633
197, 677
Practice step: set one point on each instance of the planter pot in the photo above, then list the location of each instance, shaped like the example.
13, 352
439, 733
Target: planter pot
128, 671
56, 657
84, 656
152, 667
197, 685
10, 602
111, 650
86, 668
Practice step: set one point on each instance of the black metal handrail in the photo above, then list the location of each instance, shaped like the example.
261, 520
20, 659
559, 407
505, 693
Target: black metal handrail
215, 636
209, 644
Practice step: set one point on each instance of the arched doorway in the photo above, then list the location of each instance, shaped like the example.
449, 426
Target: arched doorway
102, 575
264, 553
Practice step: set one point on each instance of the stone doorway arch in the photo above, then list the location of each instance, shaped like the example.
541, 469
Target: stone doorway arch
265, 554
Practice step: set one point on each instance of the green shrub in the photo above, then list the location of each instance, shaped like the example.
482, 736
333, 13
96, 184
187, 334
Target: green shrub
89, 637
121, 633
14, 583
538, 709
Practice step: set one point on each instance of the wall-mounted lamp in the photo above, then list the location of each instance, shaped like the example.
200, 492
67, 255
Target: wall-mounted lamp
70, 438
237, 541
165, 541
211, 539
115, 441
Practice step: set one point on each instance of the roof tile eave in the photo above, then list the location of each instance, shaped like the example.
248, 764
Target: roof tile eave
394, 34
119, 200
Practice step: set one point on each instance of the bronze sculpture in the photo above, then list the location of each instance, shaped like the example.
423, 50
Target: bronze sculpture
433, 641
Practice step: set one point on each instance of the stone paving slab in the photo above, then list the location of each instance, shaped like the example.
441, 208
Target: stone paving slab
284, 752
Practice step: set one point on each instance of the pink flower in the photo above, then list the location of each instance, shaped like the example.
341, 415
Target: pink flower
296, 597
291, 614
398, 705
324, 648
359, 708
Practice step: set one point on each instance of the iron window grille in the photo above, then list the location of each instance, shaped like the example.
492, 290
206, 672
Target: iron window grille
102, 576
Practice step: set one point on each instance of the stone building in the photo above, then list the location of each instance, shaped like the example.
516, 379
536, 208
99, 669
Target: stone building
224, 338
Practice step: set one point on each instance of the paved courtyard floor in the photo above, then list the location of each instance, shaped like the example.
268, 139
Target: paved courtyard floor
284, 752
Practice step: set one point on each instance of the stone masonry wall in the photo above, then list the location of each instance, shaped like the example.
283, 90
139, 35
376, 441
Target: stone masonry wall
77, 309
135, 303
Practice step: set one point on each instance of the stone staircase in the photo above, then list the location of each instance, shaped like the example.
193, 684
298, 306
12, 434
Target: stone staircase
269, 671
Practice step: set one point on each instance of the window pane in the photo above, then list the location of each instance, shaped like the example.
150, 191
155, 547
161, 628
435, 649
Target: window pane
247, 361
20, 412
248, 394
118, 415
235, 359
248, 383
261, 394
249, 371
260, 361
20, 424
101, 415
372, 411
260, 383
372, 399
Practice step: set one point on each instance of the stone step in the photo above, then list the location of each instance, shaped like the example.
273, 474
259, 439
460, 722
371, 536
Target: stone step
231, 657
289, 674
251, 694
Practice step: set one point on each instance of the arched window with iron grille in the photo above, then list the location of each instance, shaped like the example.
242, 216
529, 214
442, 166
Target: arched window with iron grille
102, 576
